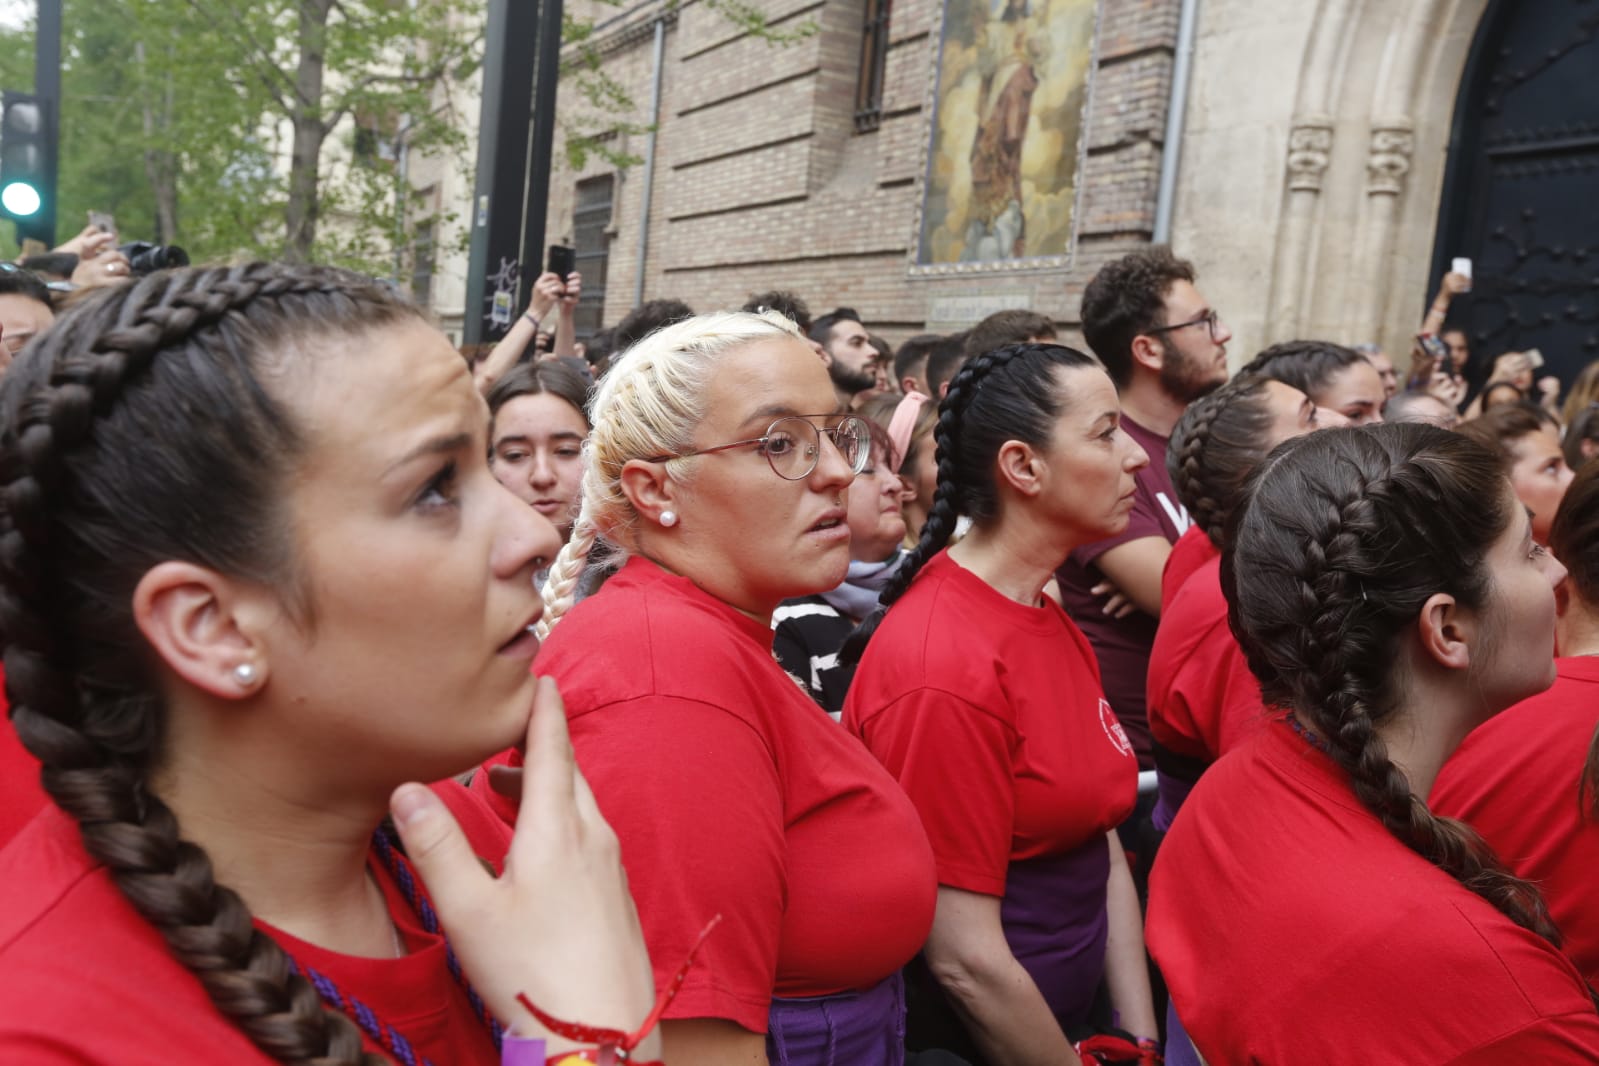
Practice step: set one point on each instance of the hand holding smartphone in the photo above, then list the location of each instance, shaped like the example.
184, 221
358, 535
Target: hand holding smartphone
562, 261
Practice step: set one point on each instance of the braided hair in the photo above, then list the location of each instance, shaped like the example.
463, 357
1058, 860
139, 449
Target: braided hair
1345, 536
1308, 366
1217, 443
141, 429
1008, 394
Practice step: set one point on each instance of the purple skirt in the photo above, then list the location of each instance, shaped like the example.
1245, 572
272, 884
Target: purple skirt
1055, 922
848, 1029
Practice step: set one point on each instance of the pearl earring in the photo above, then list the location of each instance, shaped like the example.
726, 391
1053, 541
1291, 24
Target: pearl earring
244, 674
668, 518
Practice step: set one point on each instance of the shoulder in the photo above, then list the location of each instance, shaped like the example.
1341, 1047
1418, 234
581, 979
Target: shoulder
82, 977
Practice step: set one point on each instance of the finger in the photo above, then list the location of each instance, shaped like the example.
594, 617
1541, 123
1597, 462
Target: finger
506, 781
550, 762
1104, 588
436, 847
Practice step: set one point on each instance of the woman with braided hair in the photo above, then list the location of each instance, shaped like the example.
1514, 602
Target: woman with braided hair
983, 699
255, 577
1337, 378
719, 465
1306, 905
1528, 780
1202, 697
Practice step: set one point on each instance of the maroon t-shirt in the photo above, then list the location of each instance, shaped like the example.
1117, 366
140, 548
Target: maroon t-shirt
1122, 644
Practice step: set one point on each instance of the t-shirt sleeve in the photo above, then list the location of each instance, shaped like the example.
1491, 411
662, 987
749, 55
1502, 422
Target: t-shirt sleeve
1566, 1040
692, 791
954, 761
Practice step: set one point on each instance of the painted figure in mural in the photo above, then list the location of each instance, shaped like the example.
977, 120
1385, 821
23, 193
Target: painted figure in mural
1007, 54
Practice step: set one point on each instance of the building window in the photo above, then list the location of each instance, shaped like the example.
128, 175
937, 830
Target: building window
424, 254
376, 140
590, 220
874, 60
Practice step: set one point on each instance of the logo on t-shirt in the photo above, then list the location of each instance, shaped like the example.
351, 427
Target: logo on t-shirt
1113, 728
1176, 513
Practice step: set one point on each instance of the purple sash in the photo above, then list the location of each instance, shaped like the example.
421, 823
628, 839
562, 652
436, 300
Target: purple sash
1169, 796
848, 1029
1055, 922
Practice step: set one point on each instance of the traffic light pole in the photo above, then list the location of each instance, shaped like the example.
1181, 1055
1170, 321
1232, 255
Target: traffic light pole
516, 134
47, 87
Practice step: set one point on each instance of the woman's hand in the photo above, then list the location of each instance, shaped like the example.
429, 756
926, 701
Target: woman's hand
572, 293
547, 291
558, 925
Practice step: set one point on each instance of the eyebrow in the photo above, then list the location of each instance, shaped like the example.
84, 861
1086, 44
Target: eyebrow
433, 446
564, 434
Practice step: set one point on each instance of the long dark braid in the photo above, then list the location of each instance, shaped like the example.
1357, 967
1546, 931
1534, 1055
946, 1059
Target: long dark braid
138, 430
1216, 444
1006, 394
1348, 532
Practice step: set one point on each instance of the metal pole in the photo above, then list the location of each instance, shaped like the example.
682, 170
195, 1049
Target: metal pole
47, 87
541, 150
495, 266
1176, 109
649, 162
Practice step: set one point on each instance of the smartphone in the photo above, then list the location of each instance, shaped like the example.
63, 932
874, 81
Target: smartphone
1431, 356
1535, 357
1461, 265
102, 222
562, 261
1434, 347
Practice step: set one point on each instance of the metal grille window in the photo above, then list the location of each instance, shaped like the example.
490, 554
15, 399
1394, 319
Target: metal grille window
424, 252
874, 60
590, 219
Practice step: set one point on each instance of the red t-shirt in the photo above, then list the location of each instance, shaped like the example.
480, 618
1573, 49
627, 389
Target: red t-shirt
990, 714
1515, 780
1202, 698
85, 979
1192, 551
1122, 644
1291, 927
21, 795
733, 793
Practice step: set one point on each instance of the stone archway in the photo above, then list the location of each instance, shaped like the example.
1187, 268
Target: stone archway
1364, 167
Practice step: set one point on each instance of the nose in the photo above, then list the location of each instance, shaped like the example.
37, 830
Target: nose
1223, 333
892, 485
832, 471
541, 472
1555, 570
1137, 458
524, 540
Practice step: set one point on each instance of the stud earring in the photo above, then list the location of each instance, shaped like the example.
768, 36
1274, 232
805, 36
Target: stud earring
244, 674
668, 518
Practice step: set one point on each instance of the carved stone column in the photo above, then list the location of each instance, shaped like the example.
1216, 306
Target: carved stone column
1388, 161
1309, 151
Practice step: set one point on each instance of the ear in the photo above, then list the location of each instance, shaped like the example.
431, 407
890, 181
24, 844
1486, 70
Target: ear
821, 352
1020, 467
649, 488
205, 627
1446, 632
1148, 352
908, 385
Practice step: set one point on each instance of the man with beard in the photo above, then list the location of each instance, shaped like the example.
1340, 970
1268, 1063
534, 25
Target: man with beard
1164, 347
847, 350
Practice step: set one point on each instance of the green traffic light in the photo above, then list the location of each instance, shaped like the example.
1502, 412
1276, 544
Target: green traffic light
20, 199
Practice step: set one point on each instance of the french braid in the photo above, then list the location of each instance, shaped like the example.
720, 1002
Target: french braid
1009, 394
116, 424
1217, 442
1347, 534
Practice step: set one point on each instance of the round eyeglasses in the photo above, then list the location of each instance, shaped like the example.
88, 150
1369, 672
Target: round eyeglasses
793, 445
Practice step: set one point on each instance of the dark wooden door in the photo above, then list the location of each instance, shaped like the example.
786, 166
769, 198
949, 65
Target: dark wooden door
1521, 196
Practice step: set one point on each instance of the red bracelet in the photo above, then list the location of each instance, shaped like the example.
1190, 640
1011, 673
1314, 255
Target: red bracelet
613, 1046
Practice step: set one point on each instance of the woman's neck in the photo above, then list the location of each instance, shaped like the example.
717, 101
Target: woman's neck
1577, 629
1015, 558
301, 867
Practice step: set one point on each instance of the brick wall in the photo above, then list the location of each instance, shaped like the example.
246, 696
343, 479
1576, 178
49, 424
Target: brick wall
762, 182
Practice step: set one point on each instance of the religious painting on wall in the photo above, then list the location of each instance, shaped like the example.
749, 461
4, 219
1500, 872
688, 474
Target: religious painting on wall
1006, 131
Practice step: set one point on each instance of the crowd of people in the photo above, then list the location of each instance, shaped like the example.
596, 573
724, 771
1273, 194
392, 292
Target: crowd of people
736, 688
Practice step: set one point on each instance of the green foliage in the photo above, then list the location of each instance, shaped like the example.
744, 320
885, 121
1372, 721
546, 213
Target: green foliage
280, 128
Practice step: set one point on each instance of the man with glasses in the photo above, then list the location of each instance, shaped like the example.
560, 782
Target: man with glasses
1164, 347
25, 310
